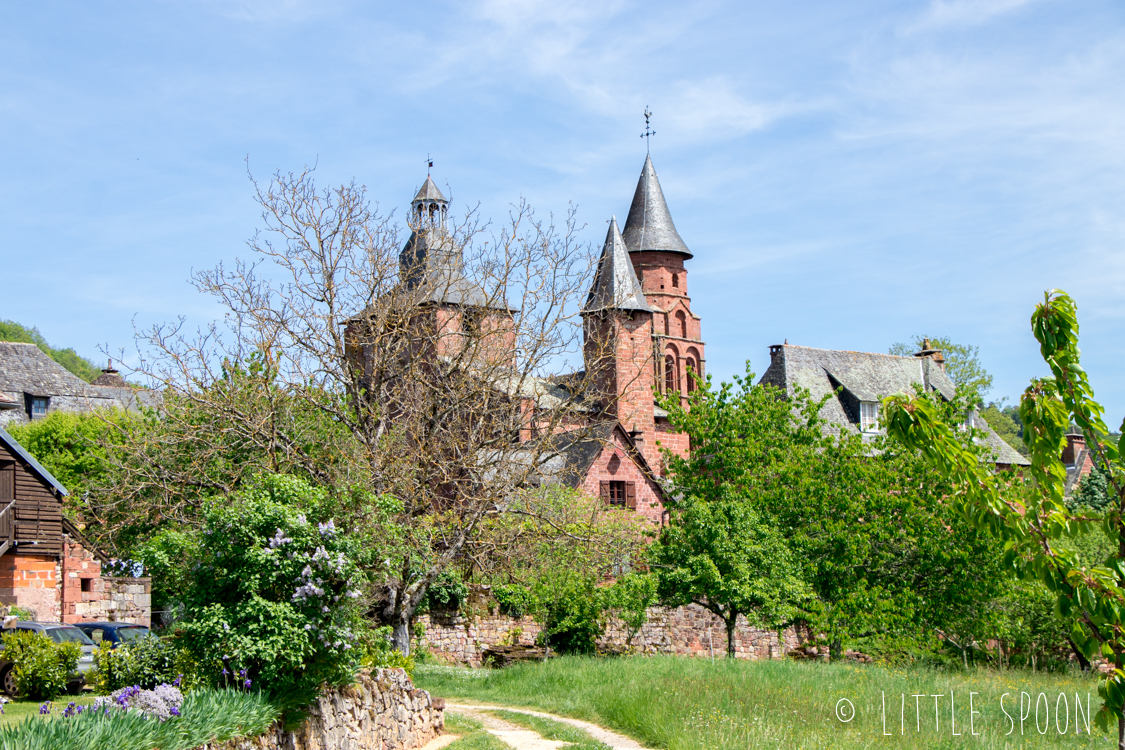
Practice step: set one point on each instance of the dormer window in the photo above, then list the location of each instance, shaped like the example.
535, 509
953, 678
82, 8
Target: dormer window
869, 416
37, 406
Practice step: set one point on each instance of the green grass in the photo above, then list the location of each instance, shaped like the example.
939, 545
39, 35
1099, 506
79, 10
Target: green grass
473, 736
692, 704
552, 730
15, 711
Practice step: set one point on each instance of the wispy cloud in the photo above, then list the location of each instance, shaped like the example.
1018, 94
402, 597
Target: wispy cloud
949, 13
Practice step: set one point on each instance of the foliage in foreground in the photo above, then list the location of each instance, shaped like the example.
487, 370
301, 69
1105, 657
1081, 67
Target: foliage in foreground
272, 599
1040, 530
206, 716
146, 662
41, 665
684, 703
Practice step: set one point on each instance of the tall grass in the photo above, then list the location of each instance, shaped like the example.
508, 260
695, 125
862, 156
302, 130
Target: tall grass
207, 716
692, 704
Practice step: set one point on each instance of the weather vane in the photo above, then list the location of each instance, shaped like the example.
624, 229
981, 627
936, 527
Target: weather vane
649, 132
429, 164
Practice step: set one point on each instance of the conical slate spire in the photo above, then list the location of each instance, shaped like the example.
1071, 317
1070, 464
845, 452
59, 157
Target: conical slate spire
429, 192
616, 286
649, 226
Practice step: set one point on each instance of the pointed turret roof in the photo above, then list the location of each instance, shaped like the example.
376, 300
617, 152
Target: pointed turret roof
615, 286
649, 226
429, 192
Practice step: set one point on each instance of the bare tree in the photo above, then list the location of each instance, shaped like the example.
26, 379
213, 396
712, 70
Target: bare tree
414, 379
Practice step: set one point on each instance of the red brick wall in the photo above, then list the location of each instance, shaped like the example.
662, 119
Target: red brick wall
79, 565
30, 581
615, 464
618, 351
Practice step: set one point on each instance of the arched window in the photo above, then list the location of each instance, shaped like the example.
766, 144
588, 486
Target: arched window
671, 382
667, 330
691, 369
681, 324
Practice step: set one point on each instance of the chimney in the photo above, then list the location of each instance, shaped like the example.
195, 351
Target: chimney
776, 349
1075, 444
935, 354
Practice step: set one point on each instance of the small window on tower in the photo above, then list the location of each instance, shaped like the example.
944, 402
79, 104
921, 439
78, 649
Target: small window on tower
470, 321
675, 281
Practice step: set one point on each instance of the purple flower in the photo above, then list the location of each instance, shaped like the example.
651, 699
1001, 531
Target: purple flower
174, 711
45, 708
246, 684
176, 682
69, 710
224, 673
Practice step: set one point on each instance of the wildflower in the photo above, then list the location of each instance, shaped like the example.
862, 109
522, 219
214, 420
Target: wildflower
45, 708
174, 711
176, 682
225, 673
69, 710
246, 684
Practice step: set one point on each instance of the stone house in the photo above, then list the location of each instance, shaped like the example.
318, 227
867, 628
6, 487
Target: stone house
857, 381
45, 564
32, 385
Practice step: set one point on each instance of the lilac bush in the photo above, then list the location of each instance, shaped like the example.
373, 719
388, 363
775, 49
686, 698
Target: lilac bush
161, 703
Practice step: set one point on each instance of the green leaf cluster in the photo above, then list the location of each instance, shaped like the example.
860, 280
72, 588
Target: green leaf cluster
41, 665
146, 662
1041, 531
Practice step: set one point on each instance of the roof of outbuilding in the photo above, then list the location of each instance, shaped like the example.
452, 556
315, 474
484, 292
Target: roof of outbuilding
573, 453
649, 225
27, 368
867, 376
615, 285
15, 447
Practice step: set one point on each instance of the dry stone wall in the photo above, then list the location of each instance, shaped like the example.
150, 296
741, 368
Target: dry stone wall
686, 631
381, 711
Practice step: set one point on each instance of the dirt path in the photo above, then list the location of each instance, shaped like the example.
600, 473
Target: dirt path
510, 734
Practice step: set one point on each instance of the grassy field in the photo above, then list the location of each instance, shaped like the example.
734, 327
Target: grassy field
692, 704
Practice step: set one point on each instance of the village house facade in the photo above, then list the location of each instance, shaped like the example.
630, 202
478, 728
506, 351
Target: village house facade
46, 567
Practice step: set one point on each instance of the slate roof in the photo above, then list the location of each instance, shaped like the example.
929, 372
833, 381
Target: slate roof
429, 192
649, 225
615, 286
26, 369
865, 376
431, 267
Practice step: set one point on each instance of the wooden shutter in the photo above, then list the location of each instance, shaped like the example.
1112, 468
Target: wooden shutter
7, 480
605, 492
631, 495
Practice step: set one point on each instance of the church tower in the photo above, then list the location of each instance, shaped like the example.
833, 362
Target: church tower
618, 347
658, 253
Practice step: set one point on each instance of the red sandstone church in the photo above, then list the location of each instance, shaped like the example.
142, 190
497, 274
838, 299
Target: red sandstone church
641, 338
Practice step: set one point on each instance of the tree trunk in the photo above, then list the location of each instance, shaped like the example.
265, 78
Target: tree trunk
835, 649
1082, 660
400, 638
965, 657
731, 623
1121, 733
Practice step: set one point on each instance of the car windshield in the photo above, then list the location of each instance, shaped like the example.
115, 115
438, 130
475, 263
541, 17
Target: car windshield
132, 634
69, 635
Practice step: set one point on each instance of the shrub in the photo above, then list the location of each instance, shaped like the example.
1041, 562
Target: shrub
570, 608
41, 665
446, 594
146, 662
273, 593
515, 601
379, 651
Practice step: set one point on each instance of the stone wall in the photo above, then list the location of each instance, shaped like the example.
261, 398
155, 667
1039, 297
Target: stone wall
687, 631
382, 711
86, 595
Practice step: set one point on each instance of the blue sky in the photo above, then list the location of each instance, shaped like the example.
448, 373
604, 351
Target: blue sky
847, 174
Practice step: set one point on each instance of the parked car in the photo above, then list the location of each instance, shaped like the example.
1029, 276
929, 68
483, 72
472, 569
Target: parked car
116, 633
59, 633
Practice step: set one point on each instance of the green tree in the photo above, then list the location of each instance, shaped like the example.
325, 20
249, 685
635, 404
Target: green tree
72, 447
962, 362
68, 358
864, 521
1039, 529
721, 554
1000, 419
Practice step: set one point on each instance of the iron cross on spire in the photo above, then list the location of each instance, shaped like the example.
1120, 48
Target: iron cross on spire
649, 132
429, 164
